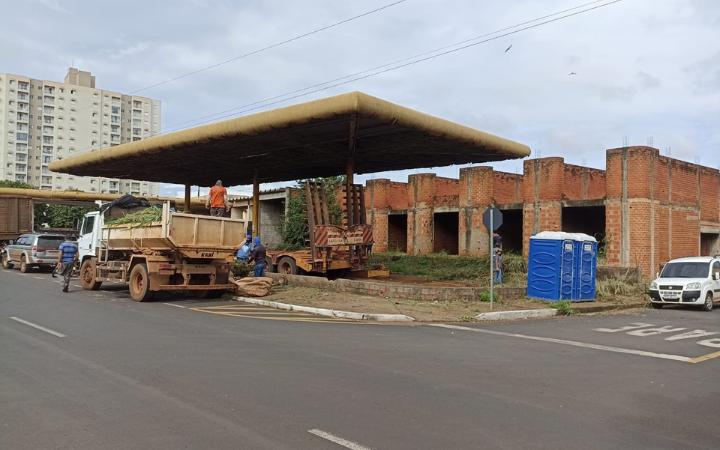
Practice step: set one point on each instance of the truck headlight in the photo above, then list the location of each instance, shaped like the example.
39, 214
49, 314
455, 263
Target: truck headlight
653, 286
691, 286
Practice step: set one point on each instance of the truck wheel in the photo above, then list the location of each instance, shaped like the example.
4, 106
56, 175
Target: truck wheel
139, 283
286, 265
87, 275
269, 267
708, 305
6, 264
23, 265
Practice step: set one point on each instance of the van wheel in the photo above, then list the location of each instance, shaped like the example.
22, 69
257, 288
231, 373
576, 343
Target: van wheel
287, 266
87, 275
140, 283
23, 265
6, 264
708, 305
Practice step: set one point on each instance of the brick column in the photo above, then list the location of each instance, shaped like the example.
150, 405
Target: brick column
421, 191
542, 197
476, 191
377, 207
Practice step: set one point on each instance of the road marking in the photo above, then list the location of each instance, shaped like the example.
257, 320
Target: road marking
38, 327
337, 440
707, 357
39, 278
173, 304
571, 343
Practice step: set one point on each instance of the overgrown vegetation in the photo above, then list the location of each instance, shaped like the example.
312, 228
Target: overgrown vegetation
440, 266
619, 286
58, 216
295, 232
140, 218
563, 307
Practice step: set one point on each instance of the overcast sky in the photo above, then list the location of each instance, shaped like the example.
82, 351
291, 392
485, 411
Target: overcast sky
643, 69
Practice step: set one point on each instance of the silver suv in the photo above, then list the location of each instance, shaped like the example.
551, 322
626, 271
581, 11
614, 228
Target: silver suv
32, 250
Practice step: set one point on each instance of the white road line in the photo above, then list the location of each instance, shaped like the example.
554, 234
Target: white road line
39, 278
173, 304
38, 327
337, 440
572, 343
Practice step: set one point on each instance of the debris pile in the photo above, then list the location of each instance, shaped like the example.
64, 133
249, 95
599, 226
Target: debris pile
253, 287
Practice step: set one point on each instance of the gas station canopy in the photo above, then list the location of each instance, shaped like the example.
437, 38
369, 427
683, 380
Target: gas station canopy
313, 139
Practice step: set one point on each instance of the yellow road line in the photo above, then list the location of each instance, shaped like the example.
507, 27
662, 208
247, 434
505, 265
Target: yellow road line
703, 358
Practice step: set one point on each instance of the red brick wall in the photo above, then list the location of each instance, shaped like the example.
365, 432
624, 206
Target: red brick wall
446, 192
507, 188
710, 194
475, 194
583, 183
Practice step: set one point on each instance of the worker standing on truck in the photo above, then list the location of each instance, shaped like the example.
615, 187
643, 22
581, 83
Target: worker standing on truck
217, 200
68, 257
258, 255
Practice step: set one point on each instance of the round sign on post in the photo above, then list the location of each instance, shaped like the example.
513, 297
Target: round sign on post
492, 218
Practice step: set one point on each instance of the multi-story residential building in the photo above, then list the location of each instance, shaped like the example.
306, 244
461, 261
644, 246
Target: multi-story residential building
41, 121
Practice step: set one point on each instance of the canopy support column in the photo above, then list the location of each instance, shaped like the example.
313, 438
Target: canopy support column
350, 172
187, 198
256, 206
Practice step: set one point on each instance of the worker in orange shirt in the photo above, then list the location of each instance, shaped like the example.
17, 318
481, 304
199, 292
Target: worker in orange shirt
217, 200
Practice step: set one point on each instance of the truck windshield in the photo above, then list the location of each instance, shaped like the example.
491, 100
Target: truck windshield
685, 270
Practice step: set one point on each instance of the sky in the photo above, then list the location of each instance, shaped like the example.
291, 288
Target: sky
635, 72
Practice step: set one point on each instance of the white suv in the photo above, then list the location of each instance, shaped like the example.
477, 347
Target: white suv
687, 281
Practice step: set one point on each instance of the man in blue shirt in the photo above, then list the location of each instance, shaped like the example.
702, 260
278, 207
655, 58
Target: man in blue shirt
68, 256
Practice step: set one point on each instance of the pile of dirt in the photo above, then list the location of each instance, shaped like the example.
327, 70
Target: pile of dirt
253, 287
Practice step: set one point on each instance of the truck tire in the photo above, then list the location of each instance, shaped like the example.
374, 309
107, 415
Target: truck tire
23, 265
6, 264
286, 265
269, 267
87, 275
140, 283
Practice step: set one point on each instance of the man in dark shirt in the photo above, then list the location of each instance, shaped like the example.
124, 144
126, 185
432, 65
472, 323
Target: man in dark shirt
258, 255
68, 256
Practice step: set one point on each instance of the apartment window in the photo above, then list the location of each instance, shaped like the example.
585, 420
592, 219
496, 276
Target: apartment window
115, 109
49, 100
23, 96
23, 117
23, 127
46, 159
47, 150
49, 90
47, 180
48, 120
136, 130
21, 147
48, 130
20, 178
21, 137
20, 167
48, 110
47, 140
115, 129
20, 158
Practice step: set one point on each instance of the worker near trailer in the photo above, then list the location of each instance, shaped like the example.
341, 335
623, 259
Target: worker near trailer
68, 258
217, 200
243, 253
258, 255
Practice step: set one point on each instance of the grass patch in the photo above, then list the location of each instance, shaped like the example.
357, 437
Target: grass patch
563, 307
440, 266
621, 286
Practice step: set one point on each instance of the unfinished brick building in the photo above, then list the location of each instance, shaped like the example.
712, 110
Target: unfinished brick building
644, 208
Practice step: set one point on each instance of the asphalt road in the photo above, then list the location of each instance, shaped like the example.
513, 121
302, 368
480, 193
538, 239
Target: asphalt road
122, 375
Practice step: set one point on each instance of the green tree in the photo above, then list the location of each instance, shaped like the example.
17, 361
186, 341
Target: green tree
58, 216
15, 184
295, 230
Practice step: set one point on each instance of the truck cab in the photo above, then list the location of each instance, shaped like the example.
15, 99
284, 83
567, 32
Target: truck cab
89, 234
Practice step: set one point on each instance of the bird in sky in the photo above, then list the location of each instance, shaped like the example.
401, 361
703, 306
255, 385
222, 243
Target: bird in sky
508, 49
572, 74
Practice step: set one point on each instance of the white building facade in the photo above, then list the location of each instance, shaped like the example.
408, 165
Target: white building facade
41, 121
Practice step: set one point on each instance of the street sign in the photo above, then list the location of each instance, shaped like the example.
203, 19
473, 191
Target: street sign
492, 218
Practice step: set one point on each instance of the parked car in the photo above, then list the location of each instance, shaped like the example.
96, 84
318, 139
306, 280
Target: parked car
32, 250
687, 281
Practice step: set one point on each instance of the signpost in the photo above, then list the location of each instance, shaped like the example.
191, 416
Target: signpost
492, 219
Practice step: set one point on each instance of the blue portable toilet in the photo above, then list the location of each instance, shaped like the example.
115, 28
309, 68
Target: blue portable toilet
562, 266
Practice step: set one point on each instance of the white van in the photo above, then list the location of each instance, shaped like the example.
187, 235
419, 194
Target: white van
687, 281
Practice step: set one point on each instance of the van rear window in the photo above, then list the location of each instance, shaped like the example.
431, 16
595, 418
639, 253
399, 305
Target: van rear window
50, 242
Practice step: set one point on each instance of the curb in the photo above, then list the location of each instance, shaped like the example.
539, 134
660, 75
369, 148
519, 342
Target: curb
520, 314
328, 312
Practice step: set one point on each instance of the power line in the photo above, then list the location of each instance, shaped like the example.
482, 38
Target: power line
269, 47
398, 64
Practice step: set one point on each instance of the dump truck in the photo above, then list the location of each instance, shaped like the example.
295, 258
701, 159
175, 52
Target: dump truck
181, 252
16, 218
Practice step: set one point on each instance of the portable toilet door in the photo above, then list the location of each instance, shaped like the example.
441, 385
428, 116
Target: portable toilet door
587, 270
567, 270
544, 269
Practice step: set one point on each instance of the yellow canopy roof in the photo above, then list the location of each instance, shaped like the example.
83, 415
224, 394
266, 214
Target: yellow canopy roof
297, 142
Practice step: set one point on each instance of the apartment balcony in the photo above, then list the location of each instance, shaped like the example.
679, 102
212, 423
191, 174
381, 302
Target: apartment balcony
23, 86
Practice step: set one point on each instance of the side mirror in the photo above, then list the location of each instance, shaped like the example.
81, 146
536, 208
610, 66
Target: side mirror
657, 274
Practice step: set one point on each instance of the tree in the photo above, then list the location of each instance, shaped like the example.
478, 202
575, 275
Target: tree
295, 230
15, 185
58, 216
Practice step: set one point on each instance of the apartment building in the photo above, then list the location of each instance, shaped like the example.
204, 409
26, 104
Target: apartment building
41, 121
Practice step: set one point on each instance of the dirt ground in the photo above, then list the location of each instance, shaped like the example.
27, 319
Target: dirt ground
426, 311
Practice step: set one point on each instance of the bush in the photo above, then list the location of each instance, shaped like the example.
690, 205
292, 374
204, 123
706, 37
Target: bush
622, 286
295, 230
240, 269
